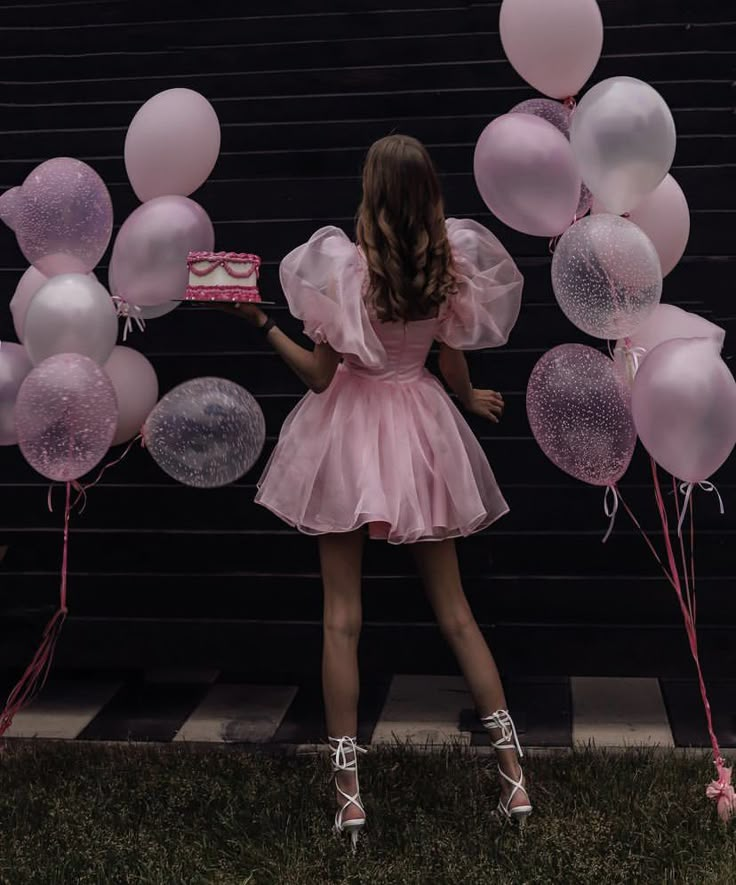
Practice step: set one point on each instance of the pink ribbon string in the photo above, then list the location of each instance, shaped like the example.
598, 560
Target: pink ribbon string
610, 509
35, 676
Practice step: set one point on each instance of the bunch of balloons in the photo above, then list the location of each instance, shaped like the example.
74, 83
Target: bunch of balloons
67, 391
541, 168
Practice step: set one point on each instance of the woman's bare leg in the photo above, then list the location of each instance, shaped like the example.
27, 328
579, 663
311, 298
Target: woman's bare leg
341, 560
438, 566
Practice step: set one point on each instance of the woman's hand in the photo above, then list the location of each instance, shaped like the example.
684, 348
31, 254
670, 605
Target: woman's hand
485, 403
243, 309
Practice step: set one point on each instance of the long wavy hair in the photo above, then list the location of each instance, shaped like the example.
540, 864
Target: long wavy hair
400, 227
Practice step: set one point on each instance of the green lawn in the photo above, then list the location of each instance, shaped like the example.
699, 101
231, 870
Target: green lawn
76, 813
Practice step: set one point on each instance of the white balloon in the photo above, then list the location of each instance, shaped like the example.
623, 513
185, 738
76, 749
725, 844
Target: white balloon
71, 313
623, 136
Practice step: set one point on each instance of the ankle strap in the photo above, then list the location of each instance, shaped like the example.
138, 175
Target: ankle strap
345, 753
509, 739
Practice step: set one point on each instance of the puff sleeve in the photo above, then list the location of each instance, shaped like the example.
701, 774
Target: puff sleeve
322, 281
485, 307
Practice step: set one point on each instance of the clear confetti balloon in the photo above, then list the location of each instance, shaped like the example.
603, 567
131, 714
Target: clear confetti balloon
71, 313
14, 366
63, 217
66, 414
207, 432
606, 276
579, 412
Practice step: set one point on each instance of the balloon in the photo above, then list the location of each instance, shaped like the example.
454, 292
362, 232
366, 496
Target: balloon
149, 258
144, 313
623, 136
664, 217
136, 390
665, 323
206, 432
29, 284
65, 416
526, 174
154, 159
554, 45
71, 313
9, 203
559, 116
64, 217
606, 276
553, 112
14, 366
579, 412
684, 407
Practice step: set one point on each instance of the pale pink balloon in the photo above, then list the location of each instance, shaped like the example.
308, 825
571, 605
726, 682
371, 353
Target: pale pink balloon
684, 408
579, 412
665, 323
526, 174
64, 217
15, 364
664, 216
148, 266
172, 144
65, 416
554, 44
9, 206
29, 284
136, 389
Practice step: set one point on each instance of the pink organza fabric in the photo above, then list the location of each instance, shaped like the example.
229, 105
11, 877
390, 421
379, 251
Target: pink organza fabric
385, 445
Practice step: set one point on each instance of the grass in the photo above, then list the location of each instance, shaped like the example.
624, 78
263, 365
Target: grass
81, 813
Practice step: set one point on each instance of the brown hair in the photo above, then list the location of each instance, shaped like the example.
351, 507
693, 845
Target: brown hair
401, 229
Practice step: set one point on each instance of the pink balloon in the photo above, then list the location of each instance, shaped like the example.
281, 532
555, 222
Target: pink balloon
64, 217
558, 115
15, 364
664, 216
65, 416
579, 412
9, 206
684, 408
526, 174
136, 390
554, 45
665, 323
29, 284
149, 259
155, 160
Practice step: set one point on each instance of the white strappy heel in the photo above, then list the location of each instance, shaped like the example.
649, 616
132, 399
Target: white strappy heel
344, 755
509, 740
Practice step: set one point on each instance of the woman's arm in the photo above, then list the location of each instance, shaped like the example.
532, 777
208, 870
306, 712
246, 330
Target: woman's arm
454, 369
316, 368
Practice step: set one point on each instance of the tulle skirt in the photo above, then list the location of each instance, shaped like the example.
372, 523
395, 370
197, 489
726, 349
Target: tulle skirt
396, 456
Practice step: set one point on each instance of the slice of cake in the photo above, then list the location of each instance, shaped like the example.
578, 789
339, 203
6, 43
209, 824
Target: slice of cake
223, 276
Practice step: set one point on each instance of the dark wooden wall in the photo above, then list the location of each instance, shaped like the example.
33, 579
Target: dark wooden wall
163, 573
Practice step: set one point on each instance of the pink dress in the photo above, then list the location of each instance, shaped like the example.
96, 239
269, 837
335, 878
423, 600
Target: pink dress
384, 445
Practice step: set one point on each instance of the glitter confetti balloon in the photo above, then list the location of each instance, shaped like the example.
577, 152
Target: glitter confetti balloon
65, 415
206, 432
579, 412
14, 366
9, 206
63, 217
606, 276
71, 313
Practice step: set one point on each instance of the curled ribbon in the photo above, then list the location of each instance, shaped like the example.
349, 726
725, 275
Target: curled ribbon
131, 313
722, 793
686, 488
610, 509
632, 358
